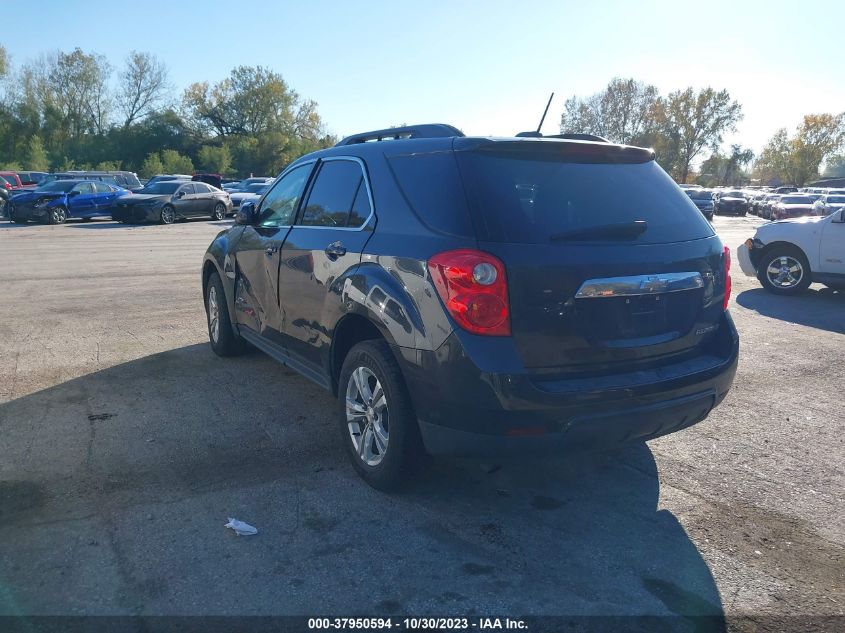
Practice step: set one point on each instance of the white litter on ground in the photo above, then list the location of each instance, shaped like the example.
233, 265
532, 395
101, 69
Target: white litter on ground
241, 528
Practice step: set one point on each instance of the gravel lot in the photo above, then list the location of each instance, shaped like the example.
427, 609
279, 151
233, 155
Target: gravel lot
125, 444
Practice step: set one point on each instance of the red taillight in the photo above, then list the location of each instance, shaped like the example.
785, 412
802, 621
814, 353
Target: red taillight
474, 289
727, 271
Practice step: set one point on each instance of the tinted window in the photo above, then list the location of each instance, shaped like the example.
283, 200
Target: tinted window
441, 207
526, 197
796, 200
102, 187
700, 195
279, 205
57, 185
161, 188
202, 188
836, 199
333, 194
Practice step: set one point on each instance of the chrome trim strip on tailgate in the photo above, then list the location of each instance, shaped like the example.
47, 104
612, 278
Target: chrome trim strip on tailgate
639, 285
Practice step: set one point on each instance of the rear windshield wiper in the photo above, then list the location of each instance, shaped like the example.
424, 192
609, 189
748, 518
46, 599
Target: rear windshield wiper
617, 231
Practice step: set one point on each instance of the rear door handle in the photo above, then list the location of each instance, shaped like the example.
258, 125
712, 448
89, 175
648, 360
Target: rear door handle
270, 250
335, 250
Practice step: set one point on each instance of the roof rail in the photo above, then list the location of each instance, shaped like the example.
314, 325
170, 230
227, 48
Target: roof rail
427, 130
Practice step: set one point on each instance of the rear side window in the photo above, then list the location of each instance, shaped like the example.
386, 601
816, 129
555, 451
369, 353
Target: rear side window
334, 194
431, 185
522, 197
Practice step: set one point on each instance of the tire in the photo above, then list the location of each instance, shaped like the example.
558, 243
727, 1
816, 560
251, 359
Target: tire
167, 215
222, 337
57, 215
219, 211
392, 450
784, 270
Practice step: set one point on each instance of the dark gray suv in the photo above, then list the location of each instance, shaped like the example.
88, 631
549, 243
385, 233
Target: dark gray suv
480, 296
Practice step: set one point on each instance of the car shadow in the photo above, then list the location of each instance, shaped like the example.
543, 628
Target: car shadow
819, 308
116, 485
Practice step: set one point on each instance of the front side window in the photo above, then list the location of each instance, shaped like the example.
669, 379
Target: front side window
279, 205
335, 192
102, 187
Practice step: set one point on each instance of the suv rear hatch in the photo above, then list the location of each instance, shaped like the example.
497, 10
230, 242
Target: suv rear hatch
609, 263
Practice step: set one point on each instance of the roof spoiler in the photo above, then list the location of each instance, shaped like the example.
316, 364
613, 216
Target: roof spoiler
427, 130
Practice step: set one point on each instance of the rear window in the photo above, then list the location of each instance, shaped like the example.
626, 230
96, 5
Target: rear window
797, 200
699, 195
527, 197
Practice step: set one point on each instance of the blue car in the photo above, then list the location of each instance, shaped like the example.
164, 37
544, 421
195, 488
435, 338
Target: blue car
56, 201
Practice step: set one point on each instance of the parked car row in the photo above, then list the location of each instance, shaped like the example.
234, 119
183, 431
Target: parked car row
165, 200
772, 204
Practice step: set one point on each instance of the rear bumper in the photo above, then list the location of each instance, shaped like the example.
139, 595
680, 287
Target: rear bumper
464, 411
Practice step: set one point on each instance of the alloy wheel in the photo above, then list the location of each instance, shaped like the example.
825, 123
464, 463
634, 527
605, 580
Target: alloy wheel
784, 271
59, 215
213, 314
219, 211
367, 416
168, 215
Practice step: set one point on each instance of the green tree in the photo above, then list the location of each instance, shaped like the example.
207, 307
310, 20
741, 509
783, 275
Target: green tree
108, 165
834, 166
68, 92
217, 160
797, 159
622, 112
143, 87
175, 163
152, 165
4, 61
251, 101
36, 156
695, 121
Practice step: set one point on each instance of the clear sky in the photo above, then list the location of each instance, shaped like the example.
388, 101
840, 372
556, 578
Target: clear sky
486, 67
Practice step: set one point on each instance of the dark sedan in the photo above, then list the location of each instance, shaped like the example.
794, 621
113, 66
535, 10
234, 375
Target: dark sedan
703, 199
169, 200
732, 202
56, 201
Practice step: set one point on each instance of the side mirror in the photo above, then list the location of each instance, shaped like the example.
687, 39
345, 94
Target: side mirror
73, 193
247, 214
181, 194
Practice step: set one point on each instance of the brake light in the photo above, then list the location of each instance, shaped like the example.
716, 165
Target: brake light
727, 273
474, 289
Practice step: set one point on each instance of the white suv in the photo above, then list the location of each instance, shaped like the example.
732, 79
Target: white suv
788, 255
